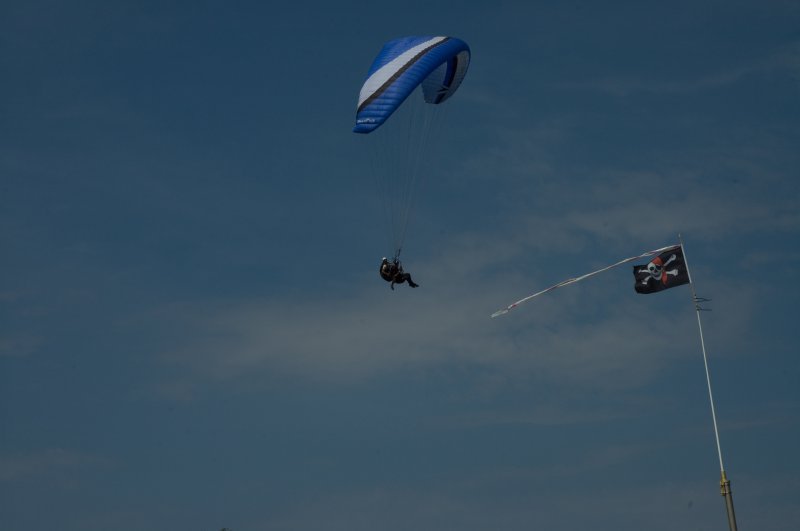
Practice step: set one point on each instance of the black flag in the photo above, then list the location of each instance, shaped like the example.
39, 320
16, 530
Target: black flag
665, 271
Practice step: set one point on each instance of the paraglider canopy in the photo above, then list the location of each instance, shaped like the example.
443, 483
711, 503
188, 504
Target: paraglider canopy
438, 64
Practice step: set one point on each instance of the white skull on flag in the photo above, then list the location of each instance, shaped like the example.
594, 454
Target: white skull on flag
657, 269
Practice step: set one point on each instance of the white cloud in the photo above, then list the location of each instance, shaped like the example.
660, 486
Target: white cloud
787, 58
19, 346
446, 321
23, 466
488, 501
370, 331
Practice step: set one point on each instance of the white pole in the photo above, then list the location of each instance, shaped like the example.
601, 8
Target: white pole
705, 357
725, 484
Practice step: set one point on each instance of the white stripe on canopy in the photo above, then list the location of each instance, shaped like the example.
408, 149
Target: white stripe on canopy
382, 75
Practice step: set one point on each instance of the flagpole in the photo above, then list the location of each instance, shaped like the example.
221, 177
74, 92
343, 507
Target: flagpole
724, 483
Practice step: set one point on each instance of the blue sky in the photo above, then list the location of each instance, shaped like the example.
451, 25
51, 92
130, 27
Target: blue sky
194, 335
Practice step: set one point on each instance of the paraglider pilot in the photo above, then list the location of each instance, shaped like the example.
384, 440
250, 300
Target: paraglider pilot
393, 272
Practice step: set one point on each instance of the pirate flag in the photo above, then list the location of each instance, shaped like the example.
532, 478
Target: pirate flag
665, 271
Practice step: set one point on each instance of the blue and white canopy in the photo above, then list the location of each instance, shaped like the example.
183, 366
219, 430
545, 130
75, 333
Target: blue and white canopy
439, 64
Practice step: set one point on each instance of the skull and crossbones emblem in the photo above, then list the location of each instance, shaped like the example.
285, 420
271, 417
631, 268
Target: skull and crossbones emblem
658, 270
